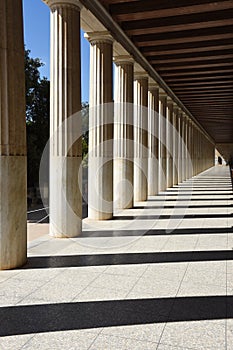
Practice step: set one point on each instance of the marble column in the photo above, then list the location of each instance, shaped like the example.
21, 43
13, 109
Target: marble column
180, 133
13, 164
198, 152
175, 144
65, 97
202, 151
211, 154
100, 155
185, 145
189, 148
193, 148
123, 132
169, 140
153, 140
162, 142
140, 137
196, 149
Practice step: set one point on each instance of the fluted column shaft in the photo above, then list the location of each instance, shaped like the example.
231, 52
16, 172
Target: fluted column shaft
193, 148
189, 149
153, 141
175, 145
180, 156
123, 133
140, 137
100, 156
198, 152
65, 96
162, 143
169, 142
13, 168
202, 153
183, 147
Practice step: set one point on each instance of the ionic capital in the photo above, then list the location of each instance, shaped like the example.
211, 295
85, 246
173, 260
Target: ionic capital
123, 59
54, 4
153, 86
162, 95
141, 75
170, 102
99, 37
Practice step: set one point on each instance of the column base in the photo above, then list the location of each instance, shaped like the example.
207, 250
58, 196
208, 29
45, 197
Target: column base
169, 172
163, 175
65, 197
153, 176
140, 179
123, 183
100, 188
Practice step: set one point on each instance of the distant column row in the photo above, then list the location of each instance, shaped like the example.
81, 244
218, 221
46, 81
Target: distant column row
154, 144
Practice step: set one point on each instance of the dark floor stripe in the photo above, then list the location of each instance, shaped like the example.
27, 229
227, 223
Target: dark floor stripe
126, 258
32, 319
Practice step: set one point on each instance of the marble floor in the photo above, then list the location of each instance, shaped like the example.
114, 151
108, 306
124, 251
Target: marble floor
158, 276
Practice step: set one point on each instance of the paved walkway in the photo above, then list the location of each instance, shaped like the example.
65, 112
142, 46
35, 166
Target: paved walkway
159, 276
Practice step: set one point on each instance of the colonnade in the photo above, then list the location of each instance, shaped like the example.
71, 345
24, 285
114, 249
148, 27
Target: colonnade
139, 148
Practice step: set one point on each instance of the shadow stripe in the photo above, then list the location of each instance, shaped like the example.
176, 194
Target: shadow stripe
172, 216
125, 259
159, 232
210, 206
30, 319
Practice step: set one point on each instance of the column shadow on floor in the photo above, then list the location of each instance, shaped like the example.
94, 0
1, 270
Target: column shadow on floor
210, 206
32, 319
126, 259
172, 216
189, 199
188, 194
157, 232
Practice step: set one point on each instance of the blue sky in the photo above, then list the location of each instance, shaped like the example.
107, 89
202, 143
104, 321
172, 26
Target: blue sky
37, 39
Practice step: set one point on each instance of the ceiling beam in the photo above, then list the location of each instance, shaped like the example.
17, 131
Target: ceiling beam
224, 57
207, 79
176, 27
167, 52
204, 88
182, 67
199, 72
203, 83
158, 9
188, 45
172, 39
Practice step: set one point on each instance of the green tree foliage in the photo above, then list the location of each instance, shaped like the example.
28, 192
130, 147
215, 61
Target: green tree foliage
37, 116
